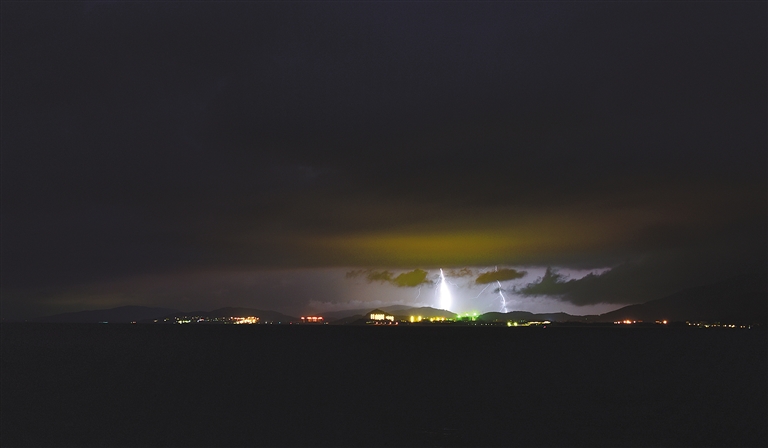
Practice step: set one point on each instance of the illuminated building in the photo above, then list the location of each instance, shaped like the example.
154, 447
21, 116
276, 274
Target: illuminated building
379, 315
312, 320
430, 319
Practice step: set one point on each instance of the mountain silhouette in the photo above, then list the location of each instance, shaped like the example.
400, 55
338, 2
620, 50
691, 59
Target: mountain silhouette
399, 311
263, 315
740, 299
518, 316
123, 314
425, 312
347, 320
343, 314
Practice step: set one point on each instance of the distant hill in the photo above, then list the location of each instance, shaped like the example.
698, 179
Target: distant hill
425, 312
532, 317
263, 315
399, 311
742, 299
127, 314
346, 320
393, 308
336, 315
403, 312
123, 314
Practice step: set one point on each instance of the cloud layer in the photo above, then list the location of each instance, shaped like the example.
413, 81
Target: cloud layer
409, 279
499, 275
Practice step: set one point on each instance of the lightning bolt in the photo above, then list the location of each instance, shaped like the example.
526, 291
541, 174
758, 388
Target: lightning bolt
486, 287
503, 299
445, 293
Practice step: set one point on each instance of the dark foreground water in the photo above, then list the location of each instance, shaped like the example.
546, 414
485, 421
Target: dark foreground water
139, 385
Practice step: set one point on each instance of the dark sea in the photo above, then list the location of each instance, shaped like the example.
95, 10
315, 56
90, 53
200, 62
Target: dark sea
84, 385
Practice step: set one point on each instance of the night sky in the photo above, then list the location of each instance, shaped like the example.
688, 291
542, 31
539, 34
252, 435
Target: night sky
308, 156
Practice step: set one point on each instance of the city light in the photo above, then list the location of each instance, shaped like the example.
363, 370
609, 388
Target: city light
245, 320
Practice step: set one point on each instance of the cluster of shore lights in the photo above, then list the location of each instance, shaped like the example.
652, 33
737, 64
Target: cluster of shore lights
528, 324
630, 322
415, 319
716, 325
246, 320
312, 319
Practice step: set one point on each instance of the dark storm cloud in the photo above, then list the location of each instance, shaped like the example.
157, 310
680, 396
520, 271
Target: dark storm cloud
356, 273
499, 275
371, 275
551, 284
411, 279
647, 278
463, 272
149, 137
379, 276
